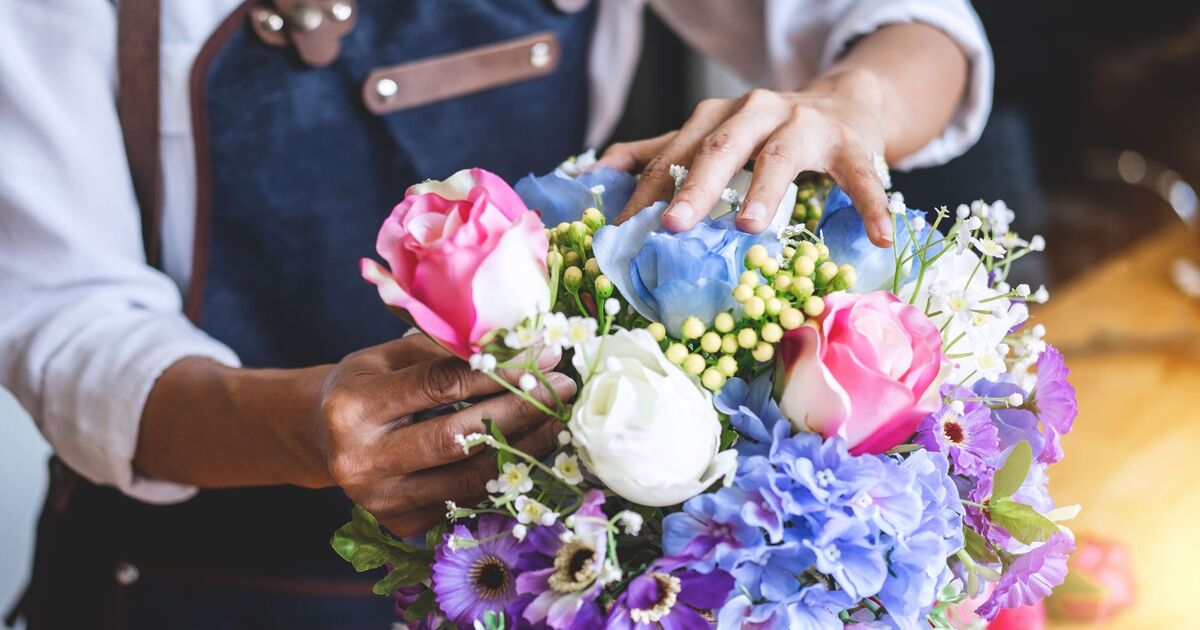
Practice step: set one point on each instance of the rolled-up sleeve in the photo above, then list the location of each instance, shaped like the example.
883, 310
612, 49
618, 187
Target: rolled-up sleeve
86, 327
784, 44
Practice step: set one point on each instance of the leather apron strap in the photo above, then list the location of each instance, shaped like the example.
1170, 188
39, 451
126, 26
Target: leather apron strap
138, 110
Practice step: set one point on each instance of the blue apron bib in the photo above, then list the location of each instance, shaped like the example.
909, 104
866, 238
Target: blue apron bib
302, 175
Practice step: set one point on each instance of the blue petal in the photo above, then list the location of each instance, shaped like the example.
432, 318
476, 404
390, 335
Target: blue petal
703, 299
558, 197
618, 188
615, 247
844, 234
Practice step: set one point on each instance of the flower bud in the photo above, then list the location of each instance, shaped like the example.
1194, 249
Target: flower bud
799, 212
791, 318
804, 266
814, 306
727, 365
658, 331
593, 219
742, 292
1015, 400
587, 242
694, 364
755, 307
577, 231
723, 322
757, 256
822, 252
692, 328
554, 260
677, 353
591, 268
749, 278
789, 252
710, 342
729, 343
563, 228
747, 338
763, 352
846, 278
712, 379
572, 258
765, 292
774, 306
604, 286
807, 249
826, 272
769, 268
803, 287
772, 332
573, 278
782, 281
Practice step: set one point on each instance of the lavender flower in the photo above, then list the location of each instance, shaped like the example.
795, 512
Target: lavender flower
1031, 577
1053, 402
668, 595
480, 577
969, 438
575, 578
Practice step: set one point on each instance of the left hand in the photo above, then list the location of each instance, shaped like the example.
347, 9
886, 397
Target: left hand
835, 126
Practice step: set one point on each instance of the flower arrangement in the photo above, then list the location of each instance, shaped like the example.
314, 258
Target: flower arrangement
791, 429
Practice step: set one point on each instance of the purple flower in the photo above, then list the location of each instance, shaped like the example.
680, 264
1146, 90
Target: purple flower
406, 596
711, 530
969, 439
668, 595
481, 577
1053, 401
570, 586
1031, 577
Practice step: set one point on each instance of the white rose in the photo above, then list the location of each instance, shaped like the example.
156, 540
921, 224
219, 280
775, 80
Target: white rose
643, 426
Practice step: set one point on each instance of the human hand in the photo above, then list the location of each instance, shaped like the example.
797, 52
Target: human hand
834, 126
403, 471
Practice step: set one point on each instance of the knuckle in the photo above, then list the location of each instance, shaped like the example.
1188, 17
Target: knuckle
618, 148
805, 115
444, 441
657, 169
708, 106
341, 408
719, 143
443, 383
346, 469
777, 152
760, 97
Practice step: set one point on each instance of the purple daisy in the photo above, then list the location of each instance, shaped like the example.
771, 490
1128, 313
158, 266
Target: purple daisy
1053, 401
1031, 577
481, 575
969, 438
669, 595
575, 577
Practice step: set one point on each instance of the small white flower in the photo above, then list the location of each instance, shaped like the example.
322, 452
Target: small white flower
597, 190
881, 170
566, 536
469, 440
957, 407
527, 382
1003, 349
514, 480
580, 329
678, 173
959, 304
1037, 243
570, 523
564, 437
555, 330
896, 204
1023, 290
1038, 330
610, 573
1002, 287
729, 196
521, 337
611, 307
519, 531
989, 247
530, 511
454, 543
1015, 400
974, 223
566, 467
918, 224
962, 211
451, 508
963, 236
483, 362
1041, 296
991, 365
1010, 240
630, 521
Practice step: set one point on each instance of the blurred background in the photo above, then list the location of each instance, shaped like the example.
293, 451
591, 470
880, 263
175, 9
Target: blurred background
1094, 141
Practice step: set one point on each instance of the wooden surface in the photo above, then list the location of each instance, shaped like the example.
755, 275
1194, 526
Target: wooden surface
1132, 342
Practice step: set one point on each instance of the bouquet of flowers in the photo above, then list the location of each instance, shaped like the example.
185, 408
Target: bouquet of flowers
792, 429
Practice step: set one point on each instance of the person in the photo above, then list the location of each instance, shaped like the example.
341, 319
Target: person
216, 410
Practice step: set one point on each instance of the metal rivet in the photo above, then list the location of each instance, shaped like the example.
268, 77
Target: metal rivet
126, 574
386, 88
539, 54
307, 17
341, 11
270, 20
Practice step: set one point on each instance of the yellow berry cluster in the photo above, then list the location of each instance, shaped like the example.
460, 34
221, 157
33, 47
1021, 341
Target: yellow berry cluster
774, 297
810, 197
573, 268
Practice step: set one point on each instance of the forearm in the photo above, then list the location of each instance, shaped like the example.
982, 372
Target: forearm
208, 425
914, 73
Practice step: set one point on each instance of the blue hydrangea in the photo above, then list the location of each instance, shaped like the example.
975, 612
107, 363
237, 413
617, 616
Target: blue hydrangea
845, 235
808, 530
752, 411
561, 197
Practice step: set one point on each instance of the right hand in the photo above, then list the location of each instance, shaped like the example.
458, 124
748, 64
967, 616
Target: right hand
403, 471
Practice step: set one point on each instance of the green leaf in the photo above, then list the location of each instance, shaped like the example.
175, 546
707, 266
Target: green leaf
420, 608
1023, 522
502, 457
434, 535
977, 547
404, 574
1012, 474
361, 543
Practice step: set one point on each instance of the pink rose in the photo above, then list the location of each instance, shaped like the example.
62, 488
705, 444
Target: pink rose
868, 371
466, 257
1099, 583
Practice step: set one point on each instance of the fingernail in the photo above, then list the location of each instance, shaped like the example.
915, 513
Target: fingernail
681, 211
562, 383
548, 357
884, 227
754, 211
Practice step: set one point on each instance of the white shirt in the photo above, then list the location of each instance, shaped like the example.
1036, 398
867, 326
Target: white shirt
86, 327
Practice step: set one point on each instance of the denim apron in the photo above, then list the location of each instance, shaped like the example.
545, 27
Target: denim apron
296, 176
